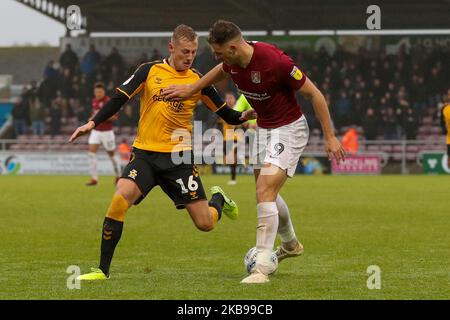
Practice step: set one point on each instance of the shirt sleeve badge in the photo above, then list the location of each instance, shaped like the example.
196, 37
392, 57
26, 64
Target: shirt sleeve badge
296, 73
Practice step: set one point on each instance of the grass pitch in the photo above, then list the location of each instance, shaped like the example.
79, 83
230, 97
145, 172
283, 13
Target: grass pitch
346, 224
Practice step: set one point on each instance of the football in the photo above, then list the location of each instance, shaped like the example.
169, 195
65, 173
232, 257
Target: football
250, 261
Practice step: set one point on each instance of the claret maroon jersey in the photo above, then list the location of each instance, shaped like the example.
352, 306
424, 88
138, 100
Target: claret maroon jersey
269, 83
96, 106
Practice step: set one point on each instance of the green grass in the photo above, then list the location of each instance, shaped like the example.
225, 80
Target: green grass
401, 224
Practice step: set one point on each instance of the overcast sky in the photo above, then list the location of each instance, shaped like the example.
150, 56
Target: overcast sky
21, 25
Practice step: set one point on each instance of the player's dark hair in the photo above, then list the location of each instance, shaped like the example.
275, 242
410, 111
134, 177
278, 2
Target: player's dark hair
99, 85
184, 31
223, 31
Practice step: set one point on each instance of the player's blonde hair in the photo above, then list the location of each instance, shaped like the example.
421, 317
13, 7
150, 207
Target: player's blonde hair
183, 31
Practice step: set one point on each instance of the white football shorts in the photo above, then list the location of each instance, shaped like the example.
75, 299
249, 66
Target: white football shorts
105, 138
281, 146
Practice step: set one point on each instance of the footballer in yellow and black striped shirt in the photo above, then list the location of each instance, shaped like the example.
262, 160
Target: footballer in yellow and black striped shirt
445, 118
160, 118
151, 163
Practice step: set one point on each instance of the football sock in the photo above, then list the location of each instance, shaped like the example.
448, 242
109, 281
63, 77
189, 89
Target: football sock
93, 165
117, 208
116, 166
215, 216
285, 227
233, 172
266, 233
216, 202
112, 231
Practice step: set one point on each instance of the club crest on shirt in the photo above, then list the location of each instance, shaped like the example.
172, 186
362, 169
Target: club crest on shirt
133, 174
296, 73
256, 76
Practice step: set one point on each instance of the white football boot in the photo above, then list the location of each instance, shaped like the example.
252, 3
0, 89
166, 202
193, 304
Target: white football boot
283, 253
256, 277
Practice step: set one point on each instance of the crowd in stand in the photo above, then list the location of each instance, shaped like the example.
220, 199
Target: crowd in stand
385, 95
66, 91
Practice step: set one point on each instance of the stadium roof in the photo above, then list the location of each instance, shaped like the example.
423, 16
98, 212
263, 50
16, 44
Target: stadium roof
164, 15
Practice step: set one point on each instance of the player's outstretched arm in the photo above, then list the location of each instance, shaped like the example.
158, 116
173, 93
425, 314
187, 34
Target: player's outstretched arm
184, 91
332, 145
105, 113
82, 130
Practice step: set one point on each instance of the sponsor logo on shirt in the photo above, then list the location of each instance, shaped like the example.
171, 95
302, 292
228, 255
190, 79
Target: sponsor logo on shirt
175, 106
254, 95
296, 73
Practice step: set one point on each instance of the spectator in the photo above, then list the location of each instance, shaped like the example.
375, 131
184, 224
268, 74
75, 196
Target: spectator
20, 117
418, 94
46, 92
377, 88
68, 59
114, 59
66, 85
55, 118
358, 108
37, 116
126, 118
410, 124
90, 61
51, 73
343, 110
156, 55
370, 125
116, 75
79, 111
84, 90
390, 125
142, 59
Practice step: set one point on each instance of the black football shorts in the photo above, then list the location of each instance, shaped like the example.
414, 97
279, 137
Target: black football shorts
181, 182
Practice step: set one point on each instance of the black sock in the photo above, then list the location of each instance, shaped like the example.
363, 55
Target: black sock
233, 172
111, 233
217, 202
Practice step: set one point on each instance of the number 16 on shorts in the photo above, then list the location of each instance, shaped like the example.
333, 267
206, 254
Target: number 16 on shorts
192, 185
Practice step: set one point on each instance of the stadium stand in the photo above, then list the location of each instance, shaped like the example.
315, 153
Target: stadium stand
382, 96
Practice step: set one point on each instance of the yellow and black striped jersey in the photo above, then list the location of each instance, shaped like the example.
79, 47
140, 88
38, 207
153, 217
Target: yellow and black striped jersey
446, 120
163, 124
